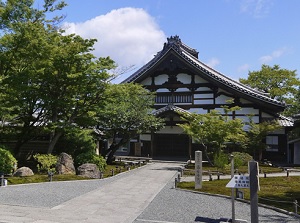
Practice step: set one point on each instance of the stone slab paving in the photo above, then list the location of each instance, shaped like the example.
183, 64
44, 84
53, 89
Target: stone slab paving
118, 199
143, 195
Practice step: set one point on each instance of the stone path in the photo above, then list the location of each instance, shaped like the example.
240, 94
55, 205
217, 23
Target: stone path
121, 200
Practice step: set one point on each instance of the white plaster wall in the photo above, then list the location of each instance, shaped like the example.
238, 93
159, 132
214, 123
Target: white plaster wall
171, 130
183, 90
199, 80
201, 102
222, 99
203, 89
184, 78
248, 111
147, 81
297, 153
161, 79
198, 110
162, 90
204, 95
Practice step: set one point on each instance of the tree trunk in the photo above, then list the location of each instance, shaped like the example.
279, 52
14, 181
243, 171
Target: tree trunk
53, 142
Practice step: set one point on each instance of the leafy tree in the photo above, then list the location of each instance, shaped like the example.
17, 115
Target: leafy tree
126, 114
280, 84
257, 135
50, 82
214, 130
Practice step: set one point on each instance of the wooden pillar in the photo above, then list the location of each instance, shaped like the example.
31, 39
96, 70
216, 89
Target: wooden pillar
152, 144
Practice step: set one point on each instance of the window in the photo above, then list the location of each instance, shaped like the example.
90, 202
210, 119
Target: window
272, 143
165, 99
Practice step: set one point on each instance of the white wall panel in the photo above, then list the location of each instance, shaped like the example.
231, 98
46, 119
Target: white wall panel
162, 90
161, 79
204, 102
222, 99
183, 90
248, 111
184, 78
171, 130
198, 110
199, 80
147, 81
204, 95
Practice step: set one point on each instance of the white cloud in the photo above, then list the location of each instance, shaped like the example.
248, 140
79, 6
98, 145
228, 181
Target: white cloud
275, 54
243, 68
213, 62
256, 8
130, 36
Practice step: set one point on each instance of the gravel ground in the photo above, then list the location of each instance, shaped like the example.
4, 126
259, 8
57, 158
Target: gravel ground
175, 205
50, 194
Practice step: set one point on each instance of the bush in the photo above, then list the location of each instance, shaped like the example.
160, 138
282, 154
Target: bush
241, 159
220, 160
76, 142
46, 162
90, 157
7, 161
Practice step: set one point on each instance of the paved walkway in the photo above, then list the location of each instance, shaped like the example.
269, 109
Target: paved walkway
121, 200
143, 195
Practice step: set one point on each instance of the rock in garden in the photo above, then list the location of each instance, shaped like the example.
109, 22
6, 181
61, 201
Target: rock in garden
23, 172
88, 170
65, 164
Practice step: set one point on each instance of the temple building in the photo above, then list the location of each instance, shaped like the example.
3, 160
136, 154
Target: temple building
185, 84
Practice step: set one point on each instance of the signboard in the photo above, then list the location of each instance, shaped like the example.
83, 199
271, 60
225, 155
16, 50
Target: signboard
239, 181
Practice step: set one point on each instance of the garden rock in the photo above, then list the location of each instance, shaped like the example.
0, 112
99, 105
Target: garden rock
89, 170
23, 172
65, 164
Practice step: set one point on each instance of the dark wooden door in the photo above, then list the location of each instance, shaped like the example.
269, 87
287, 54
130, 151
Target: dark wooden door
171, 145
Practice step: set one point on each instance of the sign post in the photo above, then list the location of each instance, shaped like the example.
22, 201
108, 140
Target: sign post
254, 187
232, 189
198, 169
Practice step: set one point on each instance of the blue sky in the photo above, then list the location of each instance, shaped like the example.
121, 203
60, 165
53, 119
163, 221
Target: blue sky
232, 36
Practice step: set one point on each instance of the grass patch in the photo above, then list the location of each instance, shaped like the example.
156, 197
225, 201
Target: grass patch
40, 178
279, 192
190, 169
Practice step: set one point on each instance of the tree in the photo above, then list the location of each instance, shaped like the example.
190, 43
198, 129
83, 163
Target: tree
280, 84
257, 134
51, 82
214, 130
126, 114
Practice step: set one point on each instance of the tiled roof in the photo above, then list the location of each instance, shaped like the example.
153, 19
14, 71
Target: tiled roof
285, 122
190, 55
169, 107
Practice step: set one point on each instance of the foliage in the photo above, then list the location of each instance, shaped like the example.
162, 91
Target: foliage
50, 82
220, 159
90, 157
257, 134
281, 84
241, 159
76, 142
126, 114
7, 161
214, 130
46, 162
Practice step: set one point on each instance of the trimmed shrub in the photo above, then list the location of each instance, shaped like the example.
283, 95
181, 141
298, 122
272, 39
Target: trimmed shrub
7, 161
220, 160
46, 162
90, 157
241, 159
